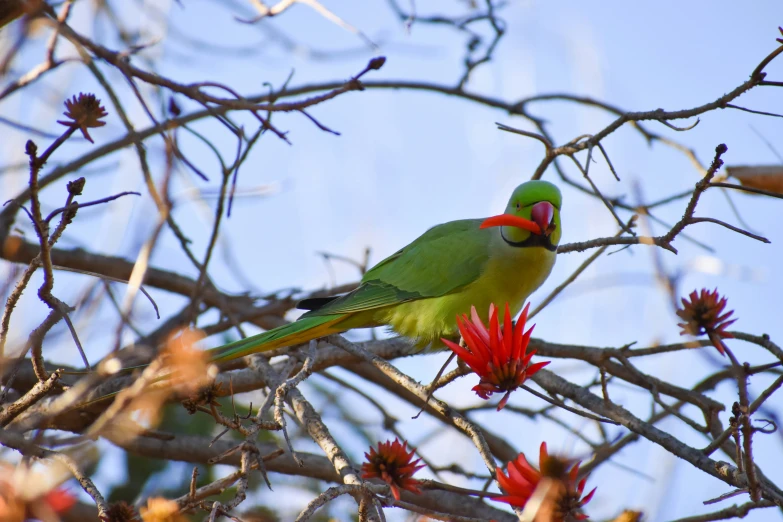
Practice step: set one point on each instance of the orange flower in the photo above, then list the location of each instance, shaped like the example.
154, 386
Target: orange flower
500, 358
702, 315
159, 509
189, 367
523, 480
392, 464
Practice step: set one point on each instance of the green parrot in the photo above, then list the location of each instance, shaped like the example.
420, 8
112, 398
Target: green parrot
419, 290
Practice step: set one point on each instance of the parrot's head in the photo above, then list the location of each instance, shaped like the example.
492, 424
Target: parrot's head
532, 216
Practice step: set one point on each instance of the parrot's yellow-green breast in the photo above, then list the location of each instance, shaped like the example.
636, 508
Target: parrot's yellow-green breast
509, 277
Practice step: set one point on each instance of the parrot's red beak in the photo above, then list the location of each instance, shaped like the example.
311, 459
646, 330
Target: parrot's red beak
510, 220
542, 213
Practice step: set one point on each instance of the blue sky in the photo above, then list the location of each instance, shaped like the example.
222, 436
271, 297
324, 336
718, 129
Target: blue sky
408, 160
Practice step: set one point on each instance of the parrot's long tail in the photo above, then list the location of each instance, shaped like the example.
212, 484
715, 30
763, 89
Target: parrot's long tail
301, 331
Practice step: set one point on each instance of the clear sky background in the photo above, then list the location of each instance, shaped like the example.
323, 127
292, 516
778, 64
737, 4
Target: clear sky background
408, 160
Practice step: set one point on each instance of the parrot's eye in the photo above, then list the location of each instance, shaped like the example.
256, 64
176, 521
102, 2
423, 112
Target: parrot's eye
517, 205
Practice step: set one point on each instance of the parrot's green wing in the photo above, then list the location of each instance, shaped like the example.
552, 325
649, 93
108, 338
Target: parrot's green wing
425, 268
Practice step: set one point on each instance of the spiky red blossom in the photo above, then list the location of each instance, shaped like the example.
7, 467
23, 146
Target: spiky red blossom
523, 480
499, 357
703, 314
393, 464
85, 112
60, 500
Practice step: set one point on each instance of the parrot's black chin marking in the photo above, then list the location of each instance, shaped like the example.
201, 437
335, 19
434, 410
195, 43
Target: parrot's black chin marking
535, 240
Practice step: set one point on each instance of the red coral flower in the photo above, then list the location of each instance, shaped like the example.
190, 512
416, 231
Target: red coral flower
499, 357
523, 480
703, 314
392, 464
60, 500
85, 112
